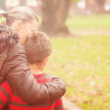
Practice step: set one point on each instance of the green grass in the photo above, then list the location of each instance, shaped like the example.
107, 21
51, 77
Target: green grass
89, 21
93, 21
2, 19
84, 64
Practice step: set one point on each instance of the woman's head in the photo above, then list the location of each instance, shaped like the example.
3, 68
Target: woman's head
21, 19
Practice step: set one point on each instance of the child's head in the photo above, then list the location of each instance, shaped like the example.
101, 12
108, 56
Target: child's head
38, 49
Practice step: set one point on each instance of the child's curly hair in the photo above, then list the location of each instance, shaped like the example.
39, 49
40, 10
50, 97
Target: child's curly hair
7, 36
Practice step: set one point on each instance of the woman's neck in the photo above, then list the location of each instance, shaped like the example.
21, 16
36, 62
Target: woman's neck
35, 69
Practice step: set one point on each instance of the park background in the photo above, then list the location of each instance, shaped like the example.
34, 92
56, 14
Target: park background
79, 31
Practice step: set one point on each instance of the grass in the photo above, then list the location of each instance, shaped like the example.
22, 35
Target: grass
2, 19
83, 63
89, 21
93, 21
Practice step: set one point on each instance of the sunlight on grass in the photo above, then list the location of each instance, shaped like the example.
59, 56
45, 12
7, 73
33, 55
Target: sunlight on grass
89, 21
93, 21
2, 19
83, 63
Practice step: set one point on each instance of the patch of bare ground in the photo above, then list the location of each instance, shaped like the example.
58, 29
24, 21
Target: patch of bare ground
69, 105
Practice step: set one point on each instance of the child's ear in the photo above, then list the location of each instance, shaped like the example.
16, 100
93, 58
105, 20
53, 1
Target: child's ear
45, 60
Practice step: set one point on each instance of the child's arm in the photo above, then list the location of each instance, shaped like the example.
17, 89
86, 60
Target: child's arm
59, 105
5, 93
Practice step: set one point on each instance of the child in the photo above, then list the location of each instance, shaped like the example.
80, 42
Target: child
38, 49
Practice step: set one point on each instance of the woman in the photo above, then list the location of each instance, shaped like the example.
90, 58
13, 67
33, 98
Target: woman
23, 20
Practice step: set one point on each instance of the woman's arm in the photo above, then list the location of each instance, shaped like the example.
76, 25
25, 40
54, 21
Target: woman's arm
17, 72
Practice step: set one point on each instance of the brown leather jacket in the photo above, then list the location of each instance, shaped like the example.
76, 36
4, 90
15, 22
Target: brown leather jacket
16, 70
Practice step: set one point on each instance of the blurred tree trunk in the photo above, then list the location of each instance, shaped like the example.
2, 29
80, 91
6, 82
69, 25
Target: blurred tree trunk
87, 4
54, 14
22, 2
101, 4
2, 4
